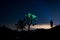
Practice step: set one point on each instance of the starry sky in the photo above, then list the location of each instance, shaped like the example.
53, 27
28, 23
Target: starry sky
12, 10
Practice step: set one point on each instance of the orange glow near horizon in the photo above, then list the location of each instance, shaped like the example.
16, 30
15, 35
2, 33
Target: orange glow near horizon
38, 26
44, 26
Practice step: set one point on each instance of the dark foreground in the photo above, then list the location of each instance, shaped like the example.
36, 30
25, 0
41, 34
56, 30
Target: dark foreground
8, 34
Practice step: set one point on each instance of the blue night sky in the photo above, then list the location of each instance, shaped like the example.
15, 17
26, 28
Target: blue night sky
13, 10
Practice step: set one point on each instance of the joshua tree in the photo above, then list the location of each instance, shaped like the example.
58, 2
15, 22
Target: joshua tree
30, 19
21, 24
27, 20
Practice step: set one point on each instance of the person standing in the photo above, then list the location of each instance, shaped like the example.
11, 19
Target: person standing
51, 23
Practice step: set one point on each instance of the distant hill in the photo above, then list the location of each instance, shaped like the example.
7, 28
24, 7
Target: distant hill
26, 35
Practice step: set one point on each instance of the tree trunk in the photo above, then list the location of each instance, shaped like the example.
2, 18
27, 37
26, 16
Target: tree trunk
22, 29
28, 27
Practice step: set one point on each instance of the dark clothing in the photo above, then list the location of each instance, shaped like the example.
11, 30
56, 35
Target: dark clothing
51, 23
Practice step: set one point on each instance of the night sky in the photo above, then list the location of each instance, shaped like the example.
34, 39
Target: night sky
12, 10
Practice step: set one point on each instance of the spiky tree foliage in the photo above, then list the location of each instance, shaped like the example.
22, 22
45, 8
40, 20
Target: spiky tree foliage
30, 17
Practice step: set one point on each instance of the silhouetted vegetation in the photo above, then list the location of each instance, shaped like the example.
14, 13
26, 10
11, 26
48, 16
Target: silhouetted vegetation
29, 20
25, 35
21, 24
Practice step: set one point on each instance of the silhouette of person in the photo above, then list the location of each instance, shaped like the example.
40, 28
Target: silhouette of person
51, 23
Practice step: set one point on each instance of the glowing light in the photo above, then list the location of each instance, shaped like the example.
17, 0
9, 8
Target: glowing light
38, 26
29, 16
44, 26
33, 17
